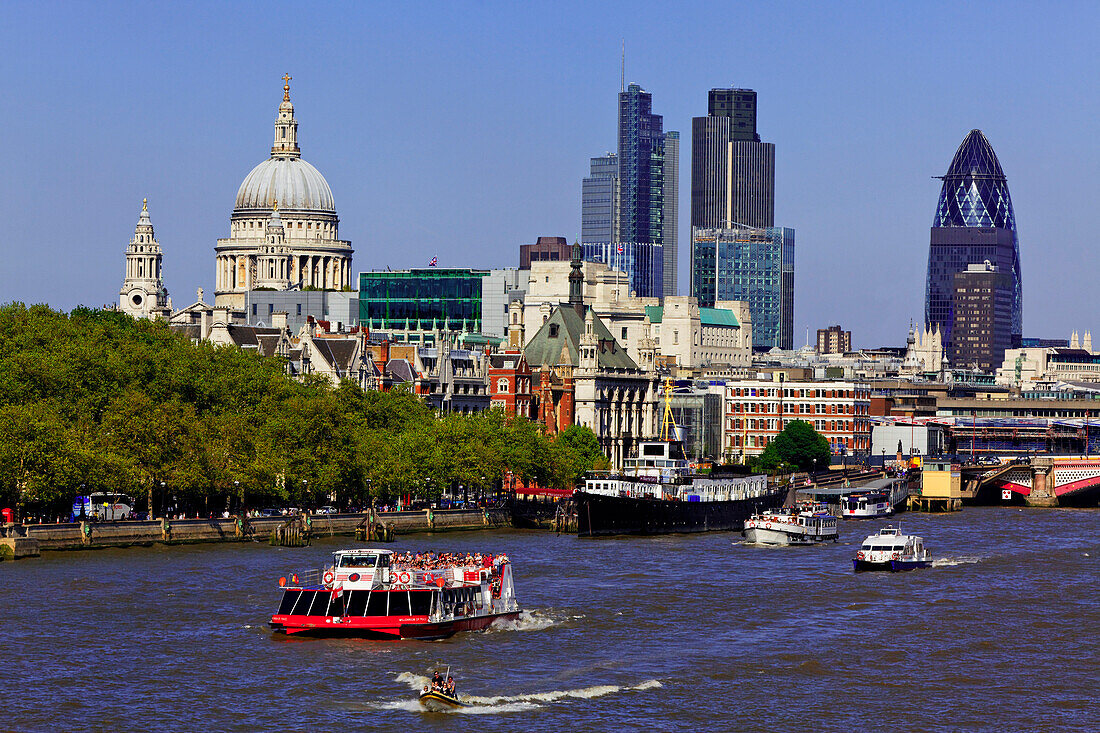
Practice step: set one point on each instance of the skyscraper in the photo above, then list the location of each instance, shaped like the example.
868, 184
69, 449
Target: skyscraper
974, 223
982, 310
670, 236
732, 172
753, 265
629, 200
600, 201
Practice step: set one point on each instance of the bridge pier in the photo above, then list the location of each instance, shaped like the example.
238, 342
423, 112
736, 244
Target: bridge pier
1042, 483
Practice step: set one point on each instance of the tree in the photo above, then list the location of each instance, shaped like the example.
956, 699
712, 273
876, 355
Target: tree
799, 446
576, 451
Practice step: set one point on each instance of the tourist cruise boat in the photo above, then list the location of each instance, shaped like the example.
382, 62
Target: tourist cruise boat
370, 593
892, 550
866, 505
806, 524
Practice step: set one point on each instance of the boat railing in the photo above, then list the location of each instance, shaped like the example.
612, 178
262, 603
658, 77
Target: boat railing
305, 579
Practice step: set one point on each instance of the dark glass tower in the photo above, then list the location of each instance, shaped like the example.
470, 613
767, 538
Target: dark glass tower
629, 201
641, 167
974, 223
732, 172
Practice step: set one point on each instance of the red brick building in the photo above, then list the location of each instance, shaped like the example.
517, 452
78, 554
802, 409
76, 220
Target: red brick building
510, 383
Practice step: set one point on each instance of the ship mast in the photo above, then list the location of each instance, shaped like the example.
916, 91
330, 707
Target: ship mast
668, 420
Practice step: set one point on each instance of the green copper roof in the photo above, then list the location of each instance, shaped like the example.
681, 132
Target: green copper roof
707, 316
567, 326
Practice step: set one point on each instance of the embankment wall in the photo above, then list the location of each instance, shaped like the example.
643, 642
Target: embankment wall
79, 536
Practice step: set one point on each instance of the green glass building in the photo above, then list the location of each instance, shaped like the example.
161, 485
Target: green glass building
427, 299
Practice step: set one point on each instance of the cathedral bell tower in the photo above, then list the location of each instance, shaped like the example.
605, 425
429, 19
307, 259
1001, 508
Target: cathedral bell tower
143, 294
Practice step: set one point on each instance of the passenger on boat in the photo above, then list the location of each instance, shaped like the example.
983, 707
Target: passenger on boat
450, 690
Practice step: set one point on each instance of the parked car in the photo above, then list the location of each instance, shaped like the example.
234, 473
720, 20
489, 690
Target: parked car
327, 510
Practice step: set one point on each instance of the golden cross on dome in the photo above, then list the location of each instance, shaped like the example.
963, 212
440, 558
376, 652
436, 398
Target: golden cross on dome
275, 205
286, 87
145, 204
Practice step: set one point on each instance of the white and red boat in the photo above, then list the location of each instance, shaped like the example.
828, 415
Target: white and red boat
373, 594
806, 524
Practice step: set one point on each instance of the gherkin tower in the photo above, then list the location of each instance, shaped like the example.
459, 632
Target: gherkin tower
974, 223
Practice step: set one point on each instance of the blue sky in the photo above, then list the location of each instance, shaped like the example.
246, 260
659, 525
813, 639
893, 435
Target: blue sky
461, 130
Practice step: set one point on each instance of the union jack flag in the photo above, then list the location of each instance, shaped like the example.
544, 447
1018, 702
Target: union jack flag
620, 247
433, 262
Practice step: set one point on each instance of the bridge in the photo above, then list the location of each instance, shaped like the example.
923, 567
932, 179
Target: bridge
1040, 481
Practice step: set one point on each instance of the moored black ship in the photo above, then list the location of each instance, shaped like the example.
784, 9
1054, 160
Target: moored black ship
659, 493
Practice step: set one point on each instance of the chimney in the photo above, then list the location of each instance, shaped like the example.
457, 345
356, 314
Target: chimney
278, 320
384, 352
221, 315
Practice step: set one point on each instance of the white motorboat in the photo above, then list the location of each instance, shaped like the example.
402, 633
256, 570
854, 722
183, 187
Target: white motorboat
866, 505
889, 549
804, 525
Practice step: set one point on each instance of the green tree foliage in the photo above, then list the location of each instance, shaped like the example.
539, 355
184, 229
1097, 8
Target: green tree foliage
798, 446
98, 400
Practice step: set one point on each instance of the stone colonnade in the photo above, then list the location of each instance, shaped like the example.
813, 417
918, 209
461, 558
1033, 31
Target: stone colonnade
322, 271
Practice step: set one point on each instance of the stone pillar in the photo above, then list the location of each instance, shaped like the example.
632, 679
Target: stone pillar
1042, 483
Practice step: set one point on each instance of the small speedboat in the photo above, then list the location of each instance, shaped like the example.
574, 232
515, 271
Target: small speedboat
891, 550
440, 702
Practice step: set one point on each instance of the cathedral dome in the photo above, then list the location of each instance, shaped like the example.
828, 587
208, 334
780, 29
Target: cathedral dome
291, 181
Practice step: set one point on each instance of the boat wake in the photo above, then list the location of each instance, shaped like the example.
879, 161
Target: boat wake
527, 621
947, 562
476, 705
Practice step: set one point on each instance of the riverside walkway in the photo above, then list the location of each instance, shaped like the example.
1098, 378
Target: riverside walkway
30, 539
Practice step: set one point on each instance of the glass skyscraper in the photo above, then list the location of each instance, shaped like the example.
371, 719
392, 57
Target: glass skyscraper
600, 201
732, 172
750, 264
642, 261
631, 198
974, 222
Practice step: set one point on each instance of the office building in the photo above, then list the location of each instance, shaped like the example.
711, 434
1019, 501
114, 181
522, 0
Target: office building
629, 200
545, 249
643, 262
732, 171
600, 201
982, 308
671, 222
757, 411
833, 340
974, 222
752, 265
419, 305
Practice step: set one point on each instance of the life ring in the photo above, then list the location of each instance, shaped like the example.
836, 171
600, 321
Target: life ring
768, 525
328, 577
895, 556
428, 579
294, 579
859, 555
403, 577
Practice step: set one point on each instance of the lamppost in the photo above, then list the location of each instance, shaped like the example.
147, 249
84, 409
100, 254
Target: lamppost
305, 490
151, 503
237, 490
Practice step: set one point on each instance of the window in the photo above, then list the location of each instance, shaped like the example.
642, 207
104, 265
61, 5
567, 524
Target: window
553, 330
624, 333
502, 384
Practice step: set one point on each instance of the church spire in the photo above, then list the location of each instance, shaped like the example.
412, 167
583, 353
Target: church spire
286, 127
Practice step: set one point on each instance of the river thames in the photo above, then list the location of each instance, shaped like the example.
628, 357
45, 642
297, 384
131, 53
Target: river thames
675, 633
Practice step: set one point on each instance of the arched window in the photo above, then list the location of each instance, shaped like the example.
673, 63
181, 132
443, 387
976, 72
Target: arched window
502, 384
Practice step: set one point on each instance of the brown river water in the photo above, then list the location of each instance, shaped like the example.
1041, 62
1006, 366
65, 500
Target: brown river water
675, 633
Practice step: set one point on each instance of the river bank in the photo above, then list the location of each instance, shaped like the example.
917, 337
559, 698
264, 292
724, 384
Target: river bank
32, 539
